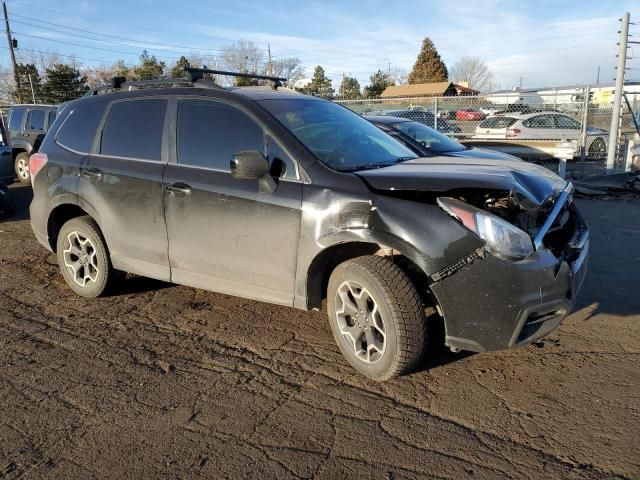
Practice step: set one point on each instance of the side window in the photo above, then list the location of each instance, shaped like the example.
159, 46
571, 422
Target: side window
282, 165
79, 128
210, 133
566, 122
134, 129
539, 121
15, 119
52, 117
35, 120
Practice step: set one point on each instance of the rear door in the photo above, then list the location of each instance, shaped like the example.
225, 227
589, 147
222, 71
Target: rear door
35, 127
224, 233
568, 128
122, 183
540, 127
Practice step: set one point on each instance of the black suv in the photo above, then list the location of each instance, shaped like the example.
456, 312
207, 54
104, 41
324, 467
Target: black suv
290, 199
28, 125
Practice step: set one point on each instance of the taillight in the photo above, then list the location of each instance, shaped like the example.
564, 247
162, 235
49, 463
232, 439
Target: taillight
513, 132
36, 162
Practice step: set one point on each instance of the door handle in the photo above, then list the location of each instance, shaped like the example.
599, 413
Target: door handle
92, 173
179, 188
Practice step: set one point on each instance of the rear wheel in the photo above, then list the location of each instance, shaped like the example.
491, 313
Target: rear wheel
22, 167
376, 317
598, 148
83, 258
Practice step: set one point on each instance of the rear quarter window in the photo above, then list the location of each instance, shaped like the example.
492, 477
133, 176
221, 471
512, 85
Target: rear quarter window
497, 122
78, 129
15, 119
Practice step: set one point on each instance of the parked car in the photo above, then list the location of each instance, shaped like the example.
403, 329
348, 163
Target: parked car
425, 141
470, 114
542, 126
6, 159
28, 125
425, 117
290, 199
491, 110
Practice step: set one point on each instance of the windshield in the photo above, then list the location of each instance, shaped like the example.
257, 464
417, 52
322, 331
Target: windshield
339, 138
427, 137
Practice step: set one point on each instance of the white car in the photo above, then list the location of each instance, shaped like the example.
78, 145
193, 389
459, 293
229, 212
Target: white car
542, 126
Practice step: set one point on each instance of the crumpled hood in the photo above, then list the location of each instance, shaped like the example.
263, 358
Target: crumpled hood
441, 174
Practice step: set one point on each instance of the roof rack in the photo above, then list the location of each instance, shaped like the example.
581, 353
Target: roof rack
195, 74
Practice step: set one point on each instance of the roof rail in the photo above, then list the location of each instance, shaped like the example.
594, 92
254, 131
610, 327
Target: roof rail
117, 84
195, 74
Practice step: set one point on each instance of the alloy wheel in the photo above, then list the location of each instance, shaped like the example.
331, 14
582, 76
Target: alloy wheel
360, 321
80, 258
22, 167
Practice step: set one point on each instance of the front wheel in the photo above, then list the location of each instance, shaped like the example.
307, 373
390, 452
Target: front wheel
376, 317
22, 167
84, 259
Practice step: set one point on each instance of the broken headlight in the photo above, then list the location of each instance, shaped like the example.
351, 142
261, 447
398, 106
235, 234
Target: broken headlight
501, 237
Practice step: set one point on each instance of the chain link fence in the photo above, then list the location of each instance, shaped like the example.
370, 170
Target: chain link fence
531, 126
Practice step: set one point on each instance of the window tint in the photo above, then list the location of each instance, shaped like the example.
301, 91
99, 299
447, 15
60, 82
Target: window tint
15, 119
210, 133
35, 120
539, 121
497, 122
134, 129
566, 122
52, 117
428, 138
282, 165
79, 128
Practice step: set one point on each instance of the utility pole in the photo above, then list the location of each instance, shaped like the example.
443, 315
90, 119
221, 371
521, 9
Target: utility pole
617, 98
10, 40
598, 76
33, 94
520, 86
389, 73
270, 62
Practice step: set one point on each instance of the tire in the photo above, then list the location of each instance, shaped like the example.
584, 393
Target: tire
21, 166
598, 149
84, 259
386, 335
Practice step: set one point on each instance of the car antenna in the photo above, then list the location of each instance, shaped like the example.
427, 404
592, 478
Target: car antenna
195, 74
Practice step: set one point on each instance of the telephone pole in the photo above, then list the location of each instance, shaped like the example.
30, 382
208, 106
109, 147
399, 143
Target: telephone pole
612, 152
10, 40
270, 62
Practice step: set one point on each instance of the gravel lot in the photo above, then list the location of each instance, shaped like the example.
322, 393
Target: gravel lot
167, 381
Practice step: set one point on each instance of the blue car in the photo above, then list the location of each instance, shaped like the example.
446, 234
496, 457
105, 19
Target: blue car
6, 159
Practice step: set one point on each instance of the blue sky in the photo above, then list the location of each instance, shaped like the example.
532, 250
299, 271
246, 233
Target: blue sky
545, 42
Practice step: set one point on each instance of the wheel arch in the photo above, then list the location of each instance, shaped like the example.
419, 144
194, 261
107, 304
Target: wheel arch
58, 217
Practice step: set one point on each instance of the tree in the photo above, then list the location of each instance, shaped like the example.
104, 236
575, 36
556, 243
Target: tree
149, 67
349, 88
179, 69
379, 81
320, 85
399, 77
429, 67
63, 83
289, 68
243, 57
473, 71
28, 76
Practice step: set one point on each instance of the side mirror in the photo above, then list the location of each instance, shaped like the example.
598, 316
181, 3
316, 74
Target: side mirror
252, 165
249, 165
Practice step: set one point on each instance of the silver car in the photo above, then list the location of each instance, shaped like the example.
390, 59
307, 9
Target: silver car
542, 126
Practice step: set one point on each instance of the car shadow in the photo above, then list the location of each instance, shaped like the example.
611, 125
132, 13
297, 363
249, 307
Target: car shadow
438, 354
133, 284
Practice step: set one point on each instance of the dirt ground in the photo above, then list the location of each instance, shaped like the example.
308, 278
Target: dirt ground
162, 381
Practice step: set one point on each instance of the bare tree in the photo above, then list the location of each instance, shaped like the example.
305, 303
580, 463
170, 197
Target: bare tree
243, 57
399, 76
473, 71
289, 68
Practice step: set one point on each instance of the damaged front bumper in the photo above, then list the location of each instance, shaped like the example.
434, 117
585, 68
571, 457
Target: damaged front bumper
493, 304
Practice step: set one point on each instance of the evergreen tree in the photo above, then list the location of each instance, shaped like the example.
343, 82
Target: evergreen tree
63, 83
179, 69
379, 81
24, 93
320, 85
429, 67
149, 67
349, 88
